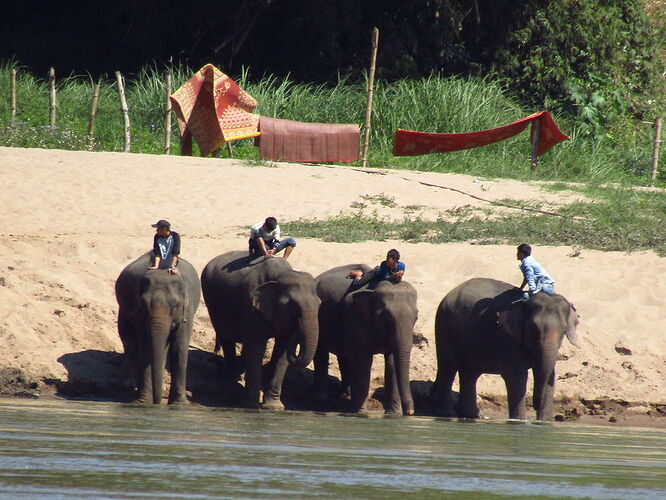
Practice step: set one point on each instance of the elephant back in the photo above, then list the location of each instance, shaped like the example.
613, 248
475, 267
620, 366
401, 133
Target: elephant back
128, 281
333, 285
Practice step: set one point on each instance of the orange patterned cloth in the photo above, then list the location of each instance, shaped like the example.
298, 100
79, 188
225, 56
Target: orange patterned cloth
409, 143
213, 109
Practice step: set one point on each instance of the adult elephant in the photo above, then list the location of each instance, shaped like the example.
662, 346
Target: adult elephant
482, 327
155, 316
356, 324
250, 301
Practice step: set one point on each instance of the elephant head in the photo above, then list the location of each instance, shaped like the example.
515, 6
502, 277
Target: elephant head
386, 316
290, 306
539, 325
162, 303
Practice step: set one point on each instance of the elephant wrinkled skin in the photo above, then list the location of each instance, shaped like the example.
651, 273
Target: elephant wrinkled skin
354, 325
482, 327
155, 316
250, 301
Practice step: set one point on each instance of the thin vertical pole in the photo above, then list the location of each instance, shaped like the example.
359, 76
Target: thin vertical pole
536, 125
167, 115
93, 114
125, 111
12, 91
52, 94
655, 151
230, 149
371, 87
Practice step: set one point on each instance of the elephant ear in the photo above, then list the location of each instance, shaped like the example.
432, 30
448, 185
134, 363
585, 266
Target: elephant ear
263, 299
512, 321
572, 322
360, 305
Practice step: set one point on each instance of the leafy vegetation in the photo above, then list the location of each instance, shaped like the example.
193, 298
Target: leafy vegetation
616, 219
436, 104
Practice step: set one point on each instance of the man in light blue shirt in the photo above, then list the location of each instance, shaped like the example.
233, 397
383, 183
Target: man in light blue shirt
535, 275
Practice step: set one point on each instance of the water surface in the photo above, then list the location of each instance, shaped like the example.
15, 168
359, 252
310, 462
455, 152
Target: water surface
73, 449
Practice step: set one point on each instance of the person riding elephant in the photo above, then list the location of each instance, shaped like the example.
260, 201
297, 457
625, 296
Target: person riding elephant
484, 326
250, 301
155, 314
355, 324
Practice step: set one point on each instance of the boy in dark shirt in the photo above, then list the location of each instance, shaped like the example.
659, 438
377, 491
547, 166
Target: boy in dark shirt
392, 269
166, 247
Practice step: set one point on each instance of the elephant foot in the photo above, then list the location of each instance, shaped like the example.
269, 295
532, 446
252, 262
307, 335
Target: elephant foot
179, 402
272, 404
246, 403
445, 412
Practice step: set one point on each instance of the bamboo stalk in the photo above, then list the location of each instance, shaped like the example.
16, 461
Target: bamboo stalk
371, 86
125, 111
655, 151
12, 91
93, 114
52, 96
167, 115
536, 125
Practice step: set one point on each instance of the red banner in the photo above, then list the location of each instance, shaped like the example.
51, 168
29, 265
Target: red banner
409, 143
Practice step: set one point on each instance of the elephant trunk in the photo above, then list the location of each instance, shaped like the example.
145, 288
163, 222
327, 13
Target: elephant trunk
160, 322
308, 336
402, 360
544, 380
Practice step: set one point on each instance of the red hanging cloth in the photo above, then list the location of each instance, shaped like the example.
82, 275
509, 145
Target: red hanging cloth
409, 143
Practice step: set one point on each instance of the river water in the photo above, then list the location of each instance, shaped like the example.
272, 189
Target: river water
76, 449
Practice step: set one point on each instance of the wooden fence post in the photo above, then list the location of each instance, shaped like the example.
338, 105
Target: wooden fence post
123, 108
12, 99
536, 125
52, 95
371, 85
655, 151
167, 115
91, 118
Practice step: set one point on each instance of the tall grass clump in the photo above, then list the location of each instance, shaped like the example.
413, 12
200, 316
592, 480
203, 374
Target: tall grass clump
621, 153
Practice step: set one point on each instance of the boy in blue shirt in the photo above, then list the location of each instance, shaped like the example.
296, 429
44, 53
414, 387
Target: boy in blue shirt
391, 269
535, 275
166, 247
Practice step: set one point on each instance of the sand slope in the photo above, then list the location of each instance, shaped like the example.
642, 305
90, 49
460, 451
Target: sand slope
73, 220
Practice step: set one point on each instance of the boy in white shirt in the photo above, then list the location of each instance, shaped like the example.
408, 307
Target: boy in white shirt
265, 240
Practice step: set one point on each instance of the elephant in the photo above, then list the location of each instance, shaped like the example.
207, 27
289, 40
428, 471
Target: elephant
155, 315
482, 326
356, 324
250, 301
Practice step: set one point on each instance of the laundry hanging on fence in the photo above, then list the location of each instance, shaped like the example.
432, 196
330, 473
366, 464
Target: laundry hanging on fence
213, 109
409, 143
286, 140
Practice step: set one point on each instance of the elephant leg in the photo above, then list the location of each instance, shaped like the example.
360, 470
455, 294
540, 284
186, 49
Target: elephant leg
145, 377
232, 367
178, 354
345, 373
253, 354
467, 402
277, 369
443, 395
516, 388
320, 386
361, 364
128, 336
393, 402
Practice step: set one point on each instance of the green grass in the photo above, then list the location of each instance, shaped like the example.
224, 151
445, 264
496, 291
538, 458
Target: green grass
435, 104
615, 219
